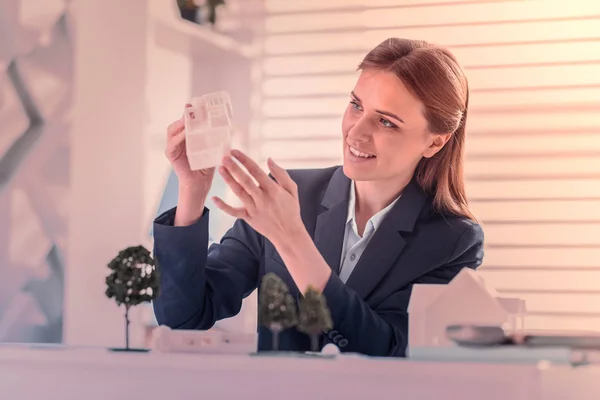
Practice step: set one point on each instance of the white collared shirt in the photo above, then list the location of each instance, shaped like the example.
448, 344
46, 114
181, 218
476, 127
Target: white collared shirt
354, 245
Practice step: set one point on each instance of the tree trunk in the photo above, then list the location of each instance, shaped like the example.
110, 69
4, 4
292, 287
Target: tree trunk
275, 329
275, 340
314, 342
127, 327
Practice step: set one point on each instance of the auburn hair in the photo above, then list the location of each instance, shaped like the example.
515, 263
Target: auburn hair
434, 76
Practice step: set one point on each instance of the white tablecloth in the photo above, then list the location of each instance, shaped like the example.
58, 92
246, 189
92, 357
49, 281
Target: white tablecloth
57, 373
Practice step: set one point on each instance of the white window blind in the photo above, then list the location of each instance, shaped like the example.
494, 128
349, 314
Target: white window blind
533, 155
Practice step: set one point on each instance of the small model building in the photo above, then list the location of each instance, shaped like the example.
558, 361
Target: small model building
465, 300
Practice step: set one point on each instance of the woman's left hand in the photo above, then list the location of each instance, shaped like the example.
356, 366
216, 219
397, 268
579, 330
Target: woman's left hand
269, 206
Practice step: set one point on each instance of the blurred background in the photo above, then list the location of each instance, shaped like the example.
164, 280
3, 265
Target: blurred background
88, 87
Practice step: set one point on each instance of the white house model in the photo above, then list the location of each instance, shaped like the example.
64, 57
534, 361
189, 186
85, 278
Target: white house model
465, 300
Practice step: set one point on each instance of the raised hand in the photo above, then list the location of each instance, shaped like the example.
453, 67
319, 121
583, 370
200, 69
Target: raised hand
272, 208
269, 206
194, 186
177, 156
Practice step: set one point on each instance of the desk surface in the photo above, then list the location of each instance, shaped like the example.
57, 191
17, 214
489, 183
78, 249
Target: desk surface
96, 373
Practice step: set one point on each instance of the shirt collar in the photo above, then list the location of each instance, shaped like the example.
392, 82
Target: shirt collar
375, 220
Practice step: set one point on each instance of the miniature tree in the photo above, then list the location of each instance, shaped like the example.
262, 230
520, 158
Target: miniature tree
315, 317
276, 307
133, 280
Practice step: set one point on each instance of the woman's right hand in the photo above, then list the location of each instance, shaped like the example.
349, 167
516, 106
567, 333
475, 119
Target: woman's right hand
193, 185
177, 156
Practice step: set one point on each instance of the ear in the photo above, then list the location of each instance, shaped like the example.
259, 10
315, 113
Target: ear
438, 141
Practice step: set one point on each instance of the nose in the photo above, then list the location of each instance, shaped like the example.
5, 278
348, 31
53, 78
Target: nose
360, 131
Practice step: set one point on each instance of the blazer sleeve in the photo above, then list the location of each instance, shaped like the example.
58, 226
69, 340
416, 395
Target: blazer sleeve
383, 331
201, 285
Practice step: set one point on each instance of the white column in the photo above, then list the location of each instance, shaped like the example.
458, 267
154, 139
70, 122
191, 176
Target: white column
168, 89
169, 76
107, 159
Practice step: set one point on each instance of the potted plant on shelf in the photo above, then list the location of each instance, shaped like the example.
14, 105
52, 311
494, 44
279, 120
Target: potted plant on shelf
212, 6
277, 308
133, 280
188, 9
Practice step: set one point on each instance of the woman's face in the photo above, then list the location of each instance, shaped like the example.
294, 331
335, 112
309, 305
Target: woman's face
384, 130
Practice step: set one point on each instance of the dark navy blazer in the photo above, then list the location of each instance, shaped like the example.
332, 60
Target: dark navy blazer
414, 244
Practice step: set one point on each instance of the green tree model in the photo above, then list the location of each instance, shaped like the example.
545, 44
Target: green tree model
315, 317
133, 280
276, 307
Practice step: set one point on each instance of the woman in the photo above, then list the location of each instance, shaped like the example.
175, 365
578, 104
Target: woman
394, 215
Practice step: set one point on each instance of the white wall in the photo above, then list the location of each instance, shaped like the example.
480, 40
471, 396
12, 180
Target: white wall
533, 157
35, 100
107, 161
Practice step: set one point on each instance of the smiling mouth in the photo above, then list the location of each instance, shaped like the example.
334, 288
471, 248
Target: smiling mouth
360, 153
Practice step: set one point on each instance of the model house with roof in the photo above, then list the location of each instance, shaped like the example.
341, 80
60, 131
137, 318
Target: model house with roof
465, 300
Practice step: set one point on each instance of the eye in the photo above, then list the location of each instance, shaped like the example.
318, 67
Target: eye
355, 105
387, 123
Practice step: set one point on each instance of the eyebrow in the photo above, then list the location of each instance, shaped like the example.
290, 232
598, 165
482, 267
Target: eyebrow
389, 114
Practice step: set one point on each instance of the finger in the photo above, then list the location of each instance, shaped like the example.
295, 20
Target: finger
261, 177
175, 127
175, 140
282, 177
173, 143
242, 178
200, 113
189, 113
233, 211
237, 188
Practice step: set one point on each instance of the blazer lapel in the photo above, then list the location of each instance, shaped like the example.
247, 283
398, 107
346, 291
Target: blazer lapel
387, 243
331, 221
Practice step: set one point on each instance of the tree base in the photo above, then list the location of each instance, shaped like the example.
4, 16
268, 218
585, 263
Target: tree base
128, 350
292, 354
318, 354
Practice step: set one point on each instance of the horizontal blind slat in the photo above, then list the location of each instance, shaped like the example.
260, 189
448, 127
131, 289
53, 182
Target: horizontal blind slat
531, 189
522, 258
540, 211
288, 6
560, 303
470, 57
587, 119
481, 36
562, 322
544, 235
454, 14
541, 280
489, 79
553, 167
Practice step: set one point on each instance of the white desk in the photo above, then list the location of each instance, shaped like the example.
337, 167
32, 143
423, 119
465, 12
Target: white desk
90, 374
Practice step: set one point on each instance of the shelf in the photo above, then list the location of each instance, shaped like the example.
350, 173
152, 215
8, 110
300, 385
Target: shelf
166, 16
